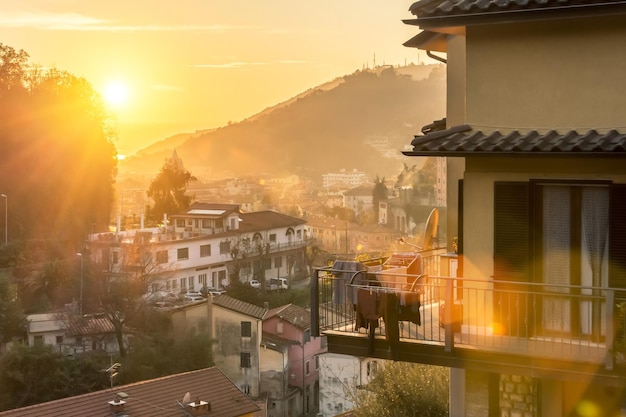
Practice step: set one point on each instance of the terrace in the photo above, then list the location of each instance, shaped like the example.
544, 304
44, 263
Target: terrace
395, 308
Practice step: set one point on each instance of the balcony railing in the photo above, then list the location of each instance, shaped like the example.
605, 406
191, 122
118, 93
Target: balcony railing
562, 322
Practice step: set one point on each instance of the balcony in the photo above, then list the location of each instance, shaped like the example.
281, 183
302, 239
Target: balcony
387, 311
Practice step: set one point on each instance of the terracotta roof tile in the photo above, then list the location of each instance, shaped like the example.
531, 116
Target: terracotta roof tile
153, 398
297, 316
458, 8
240, 306
464, 141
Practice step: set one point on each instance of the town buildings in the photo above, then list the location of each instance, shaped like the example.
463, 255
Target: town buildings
204, 247
340, 377
535, 146
267, 353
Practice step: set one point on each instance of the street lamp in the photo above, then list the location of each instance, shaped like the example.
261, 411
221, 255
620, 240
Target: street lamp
6, 222
80, 306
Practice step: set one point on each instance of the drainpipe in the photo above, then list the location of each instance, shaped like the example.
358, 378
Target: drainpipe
436, 58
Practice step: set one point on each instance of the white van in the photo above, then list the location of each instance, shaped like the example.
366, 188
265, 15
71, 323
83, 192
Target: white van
278, 284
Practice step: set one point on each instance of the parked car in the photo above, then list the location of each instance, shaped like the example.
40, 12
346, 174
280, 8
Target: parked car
193, 296
278, 284
206, 291
255, 284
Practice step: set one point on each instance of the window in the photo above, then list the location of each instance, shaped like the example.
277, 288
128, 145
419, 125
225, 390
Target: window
221, 275
317, 362
205, 250
202, 279
245, 360
224, 247
38, 340
59, 340
206, 224
299, 234
161, 257
246, 329
278, 262
372, 367
180, 222
307, 367
183, 253
307, 335
558, 233
191, 282
116, 257
273, 238
183, 284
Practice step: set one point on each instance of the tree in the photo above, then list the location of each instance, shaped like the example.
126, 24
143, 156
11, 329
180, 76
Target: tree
55, 141
403, 389
12, 321
378, 194
116, 285
168, 190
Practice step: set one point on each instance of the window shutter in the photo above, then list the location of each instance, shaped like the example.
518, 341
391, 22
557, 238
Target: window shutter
511, 231
617, 237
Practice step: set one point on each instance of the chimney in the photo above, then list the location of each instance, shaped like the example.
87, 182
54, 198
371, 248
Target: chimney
198, 408
117, 406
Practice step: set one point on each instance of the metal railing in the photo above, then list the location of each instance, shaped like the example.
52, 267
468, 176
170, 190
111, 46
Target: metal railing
549, 321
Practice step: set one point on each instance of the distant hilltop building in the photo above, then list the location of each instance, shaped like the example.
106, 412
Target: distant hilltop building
351, 179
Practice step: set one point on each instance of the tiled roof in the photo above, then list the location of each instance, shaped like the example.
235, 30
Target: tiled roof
263, 220
426, 9
293, 314
153, 398
90, 326
464, 141
240, 306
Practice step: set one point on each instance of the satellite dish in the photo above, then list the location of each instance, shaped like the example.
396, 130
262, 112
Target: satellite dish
187, 398
430, 232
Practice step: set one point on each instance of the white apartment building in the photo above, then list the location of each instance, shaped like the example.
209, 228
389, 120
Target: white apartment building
340, 377
203, 246
351, 179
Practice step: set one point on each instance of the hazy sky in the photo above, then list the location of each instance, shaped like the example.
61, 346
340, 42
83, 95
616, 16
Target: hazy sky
202, 63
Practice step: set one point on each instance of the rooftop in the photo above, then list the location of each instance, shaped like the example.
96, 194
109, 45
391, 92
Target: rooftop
161, 397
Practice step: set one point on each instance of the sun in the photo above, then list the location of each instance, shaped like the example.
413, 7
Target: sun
116, 94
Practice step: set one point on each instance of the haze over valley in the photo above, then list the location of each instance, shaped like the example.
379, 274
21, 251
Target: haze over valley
359, 121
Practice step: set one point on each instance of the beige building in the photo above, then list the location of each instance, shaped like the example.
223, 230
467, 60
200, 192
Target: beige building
536, 143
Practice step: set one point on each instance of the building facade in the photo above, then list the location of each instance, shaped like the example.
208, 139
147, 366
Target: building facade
535, 141
204, 248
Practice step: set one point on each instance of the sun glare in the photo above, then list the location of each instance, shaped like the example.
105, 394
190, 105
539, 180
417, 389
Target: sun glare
116, 94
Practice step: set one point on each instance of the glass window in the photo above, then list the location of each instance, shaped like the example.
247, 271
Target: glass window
183, 253
245, 360
205, 250
246, 329
161, 257
224, 247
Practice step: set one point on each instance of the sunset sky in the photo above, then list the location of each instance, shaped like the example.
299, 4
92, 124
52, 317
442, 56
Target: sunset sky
198, 64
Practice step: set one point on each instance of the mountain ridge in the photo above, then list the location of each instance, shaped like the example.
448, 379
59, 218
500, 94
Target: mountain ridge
340, 124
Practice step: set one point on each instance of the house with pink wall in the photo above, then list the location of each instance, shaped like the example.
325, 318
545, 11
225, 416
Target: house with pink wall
293, 323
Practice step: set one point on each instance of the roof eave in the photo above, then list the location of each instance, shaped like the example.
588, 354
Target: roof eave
450, 23
469, 154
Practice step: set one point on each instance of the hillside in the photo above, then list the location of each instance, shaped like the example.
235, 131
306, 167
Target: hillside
359, 121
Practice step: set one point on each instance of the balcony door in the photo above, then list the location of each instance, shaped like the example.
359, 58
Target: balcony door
571, 251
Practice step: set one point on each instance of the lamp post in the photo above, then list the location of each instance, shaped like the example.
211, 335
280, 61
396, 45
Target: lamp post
80, 306
6, 217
